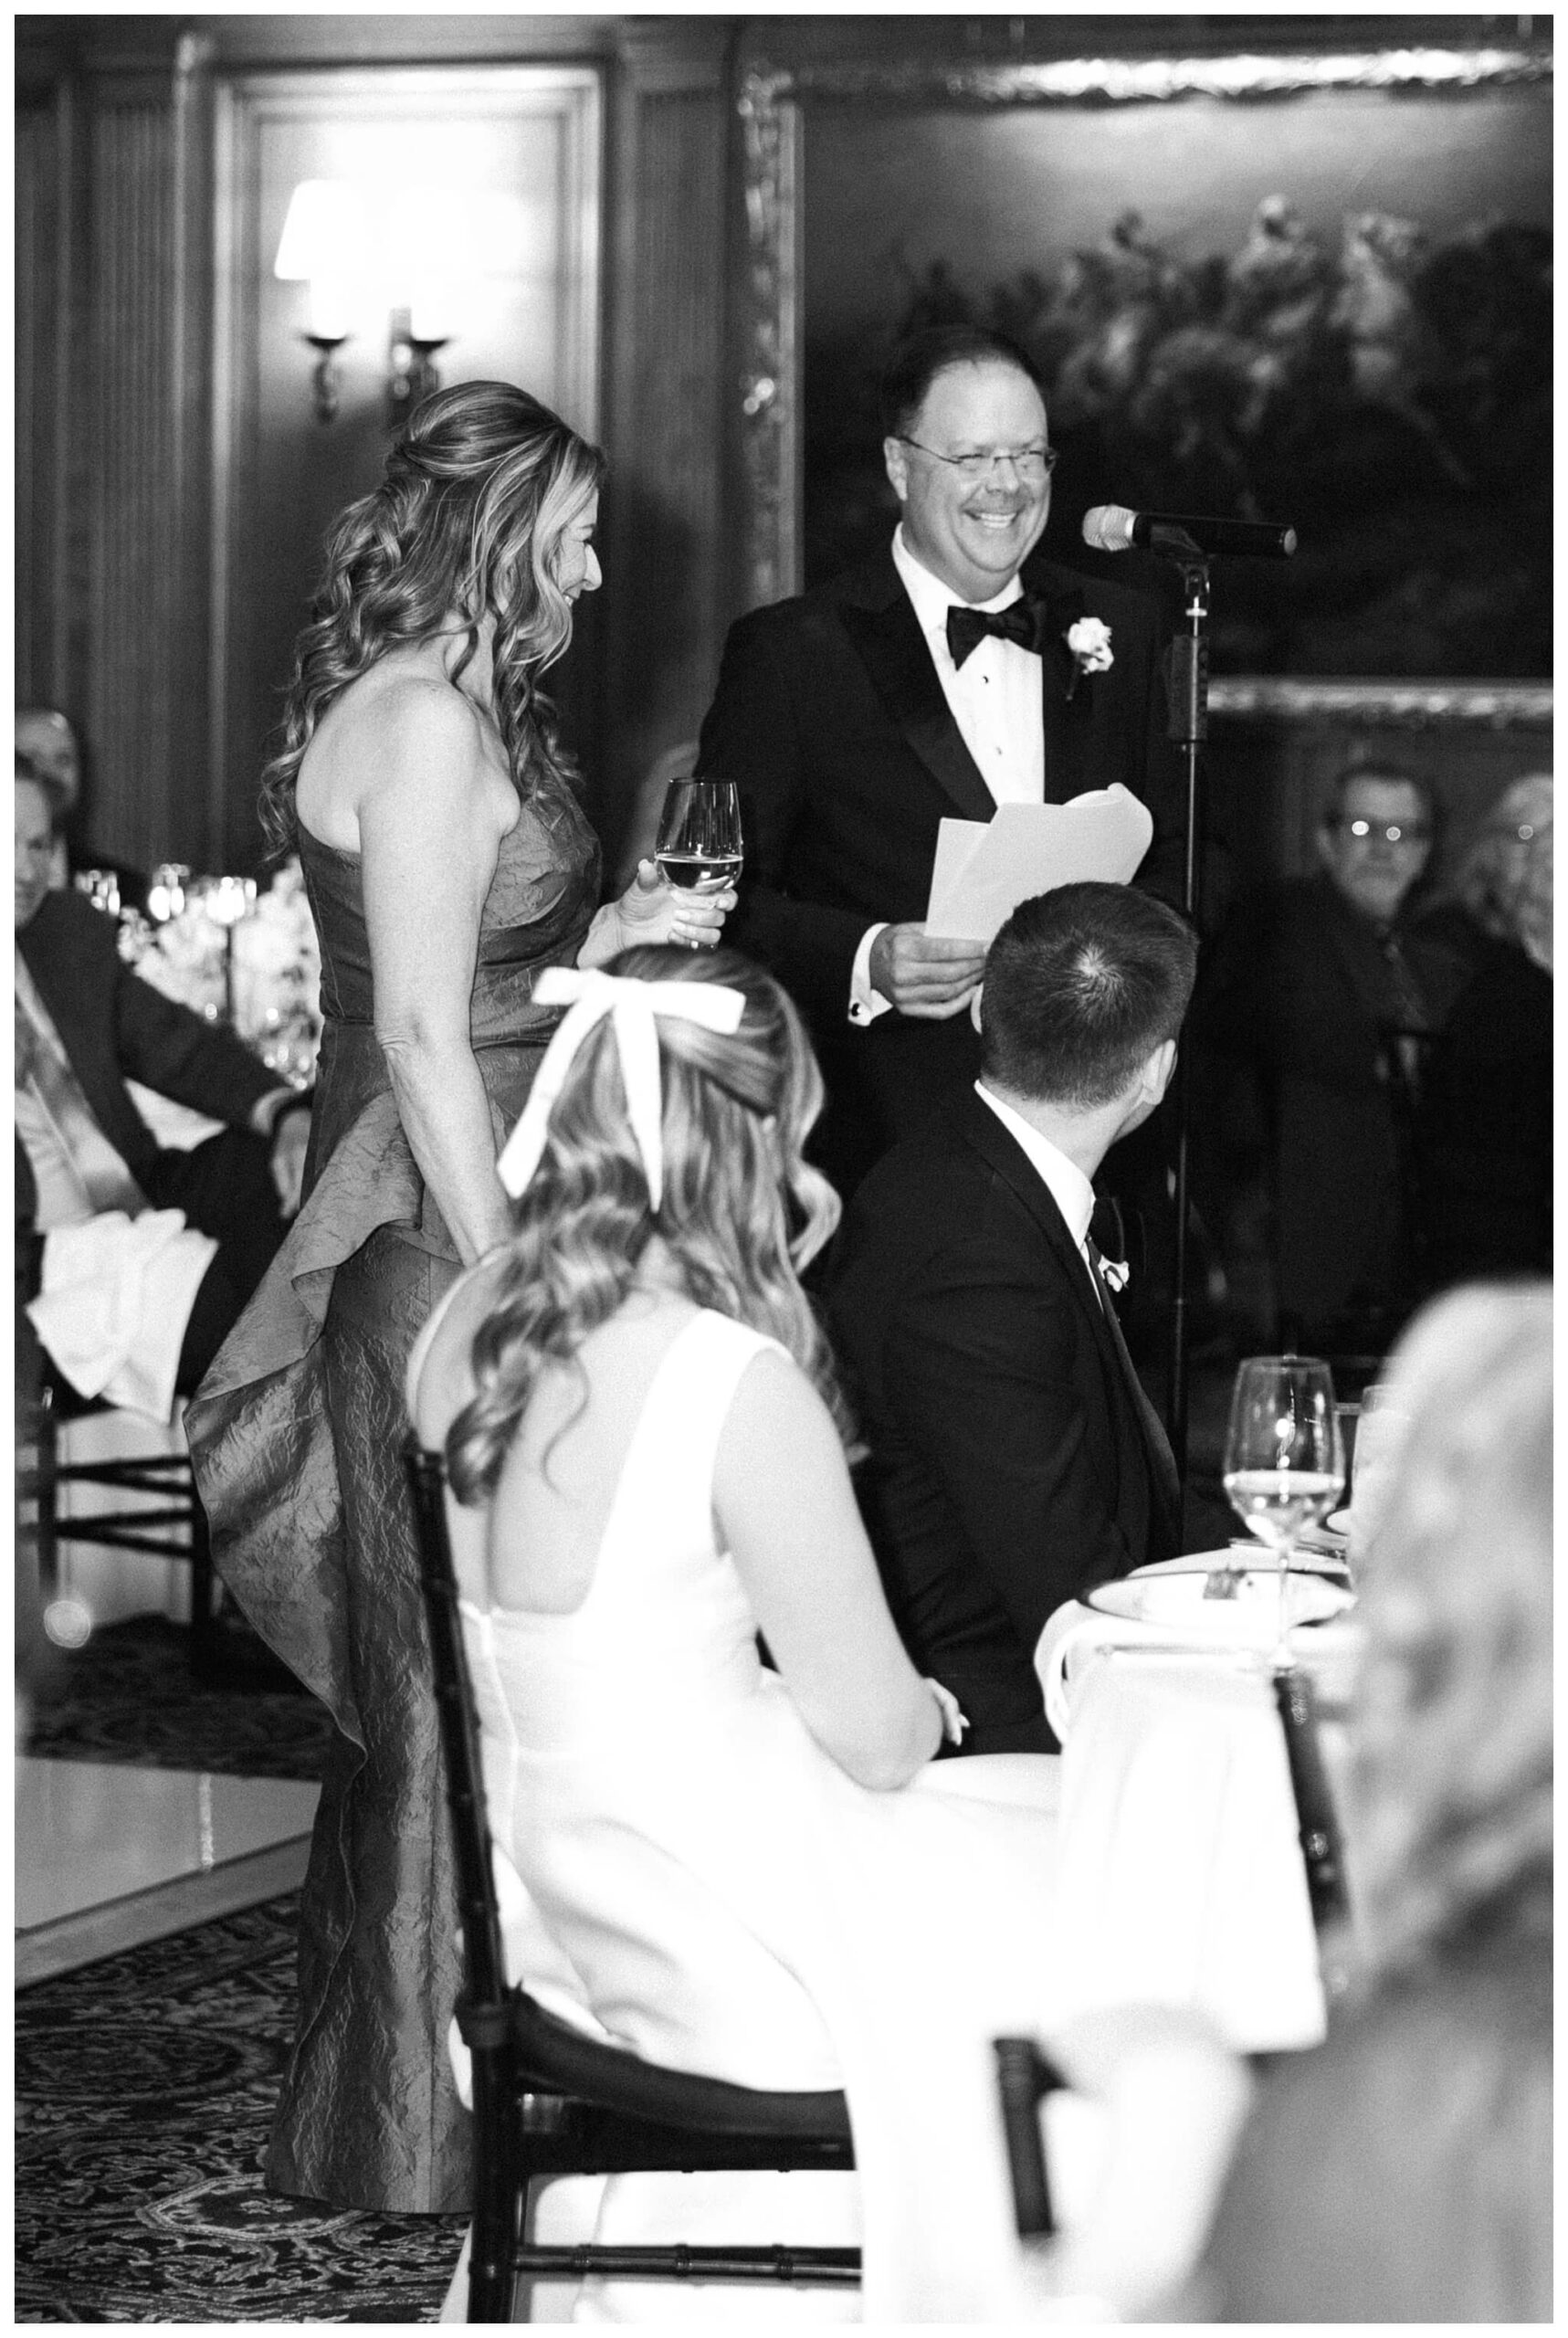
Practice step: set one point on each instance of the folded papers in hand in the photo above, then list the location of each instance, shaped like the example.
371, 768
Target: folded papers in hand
984, 868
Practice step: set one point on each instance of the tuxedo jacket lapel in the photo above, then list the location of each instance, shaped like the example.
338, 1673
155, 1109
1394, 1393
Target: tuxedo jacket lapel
1162, 1460
879, 619
1065, 719
1124, 1391
886, 633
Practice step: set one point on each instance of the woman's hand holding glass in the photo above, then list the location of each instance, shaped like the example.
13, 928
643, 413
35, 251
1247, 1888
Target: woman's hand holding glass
686, 890
652, 910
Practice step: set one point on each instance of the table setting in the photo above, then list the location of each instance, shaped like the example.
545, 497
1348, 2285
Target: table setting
1199, 1704
232, 952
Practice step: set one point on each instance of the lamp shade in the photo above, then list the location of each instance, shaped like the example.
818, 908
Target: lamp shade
324, 233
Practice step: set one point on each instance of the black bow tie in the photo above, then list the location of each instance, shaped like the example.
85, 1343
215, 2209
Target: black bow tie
1023, 621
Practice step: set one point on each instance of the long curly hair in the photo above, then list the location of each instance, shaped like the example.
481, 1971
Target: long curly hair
741, 1211
1449, 1824
481, 487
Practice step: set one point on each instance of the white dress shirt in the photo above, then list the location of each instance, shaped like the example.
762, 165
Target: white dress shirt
1065, 1181
994, 698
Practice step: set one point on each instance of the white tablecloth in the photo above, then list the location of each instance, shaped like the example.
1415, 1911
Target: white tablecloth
1179, 1870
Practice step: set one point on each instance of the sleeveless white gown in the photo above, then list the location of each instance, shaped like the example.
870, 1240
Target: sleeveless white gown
703, 1882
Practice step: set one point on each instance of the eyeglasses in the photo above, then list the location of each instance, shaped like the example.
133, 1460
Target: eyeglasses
1365, 830
1032, 464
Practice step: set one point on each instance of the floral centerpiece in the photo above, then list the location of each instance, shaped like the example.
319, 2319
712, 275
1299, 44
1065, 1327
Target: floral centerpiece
236, 955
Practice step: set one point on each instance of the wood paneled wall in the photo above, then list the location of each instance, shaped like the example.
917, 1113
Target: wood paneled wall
664, 421
45, 122
116, 441
128, 412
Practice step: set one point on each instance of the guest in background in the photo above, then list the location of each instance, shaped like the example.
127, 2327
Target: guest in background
85, 1025
935, 681
1015, 1459
50, 744
1314, 1007
1484, 1128
1402, 2171
449, 860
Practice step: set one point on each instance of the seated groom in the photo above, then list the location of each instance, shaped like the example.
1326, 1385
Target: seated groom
1014, 1458
955, 671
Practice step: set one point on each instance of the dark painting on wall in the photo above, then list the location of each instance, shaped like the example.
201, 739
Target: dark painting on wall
1333, 309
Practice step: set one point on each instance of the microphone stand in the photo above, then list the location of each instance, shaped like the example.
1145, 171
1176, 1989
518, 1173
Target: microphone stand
1186, 683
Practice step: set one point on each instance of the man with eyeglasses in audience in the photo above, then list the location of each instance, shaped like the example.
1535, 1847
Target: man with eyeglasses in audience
1316, 994
936, 681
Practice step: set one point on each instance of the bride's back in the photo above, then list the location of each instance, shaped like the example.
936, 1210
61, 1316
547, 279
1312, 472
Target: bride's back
535, 1545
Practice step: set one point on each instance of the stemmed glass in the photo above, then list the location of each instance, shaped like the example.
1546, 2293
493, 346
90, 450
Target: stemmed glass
1284, 1460
698, 846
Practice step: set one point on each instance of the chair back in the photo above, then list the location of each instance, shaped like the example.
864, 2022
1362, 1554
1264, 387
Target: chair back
477, 1907
1025, 2076
1316, 1819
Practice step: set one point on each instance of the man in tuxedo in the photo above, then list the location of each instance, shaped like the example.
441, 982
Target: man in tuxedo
85, 1025
1015, 1459
936, 681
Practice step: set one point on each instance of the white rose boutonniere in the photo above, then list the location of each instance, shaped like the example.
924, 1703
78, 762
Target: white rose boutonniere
1089, 640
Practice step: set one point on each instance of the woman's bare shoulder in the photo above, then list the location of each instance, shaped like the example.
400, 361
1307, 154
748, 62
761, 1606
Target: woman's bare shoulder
396, 728
417, 723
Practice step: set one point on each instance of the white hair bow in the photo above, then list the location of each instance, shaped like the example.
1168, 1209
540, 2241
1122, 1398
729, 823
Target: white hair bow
589, 994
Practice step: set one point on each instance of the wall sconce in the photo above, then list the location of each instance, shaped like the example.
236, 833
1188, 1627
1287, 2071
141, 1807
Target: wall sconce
411, 373
412, 246
323, 245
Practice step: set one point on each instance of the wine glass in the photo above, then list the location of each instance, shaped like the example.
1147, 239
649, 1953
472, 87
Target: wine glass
698, 846
1284, 1461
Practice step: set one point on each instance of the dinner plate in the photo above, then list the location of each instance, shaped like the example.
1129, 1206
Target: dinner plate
1174, 1602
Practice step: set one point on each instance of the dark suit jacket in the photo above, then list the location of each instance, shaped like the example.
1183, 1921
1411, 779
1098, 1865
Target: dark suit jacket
1013, 1461
831, 720
1299, 996
117, 1028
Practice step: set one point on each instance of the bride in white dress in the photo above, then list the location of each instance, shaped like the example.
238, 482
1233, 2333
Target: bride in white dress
755, 1873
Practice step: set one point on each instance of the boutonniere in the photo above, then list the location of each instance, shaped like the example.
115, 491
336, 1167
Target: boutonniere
1115, 1273
1088, 639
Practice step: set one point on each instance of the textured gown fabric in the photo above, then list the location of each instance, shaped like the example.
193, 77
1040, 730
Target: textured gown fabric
295, 1436
718, 1894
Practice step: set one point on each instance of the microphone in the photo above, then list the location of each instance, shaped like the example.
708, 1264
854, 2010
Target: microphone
1110, 527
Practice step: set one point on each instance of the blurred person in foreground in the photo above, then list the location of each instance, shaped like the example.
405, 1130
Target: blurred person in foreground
1401, 2170
1484, 1127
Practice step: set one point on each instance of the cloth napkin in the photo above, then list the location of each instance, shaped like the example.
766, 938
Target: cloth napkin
117, 1295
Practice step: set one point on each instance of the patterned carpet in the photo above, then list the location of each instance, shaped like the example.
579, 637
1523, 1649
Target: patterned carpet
145, 2084
145, 2091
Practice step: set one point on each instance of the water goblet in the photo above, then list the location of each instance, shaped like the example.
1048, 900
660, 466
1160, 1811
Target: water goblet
1284, 1459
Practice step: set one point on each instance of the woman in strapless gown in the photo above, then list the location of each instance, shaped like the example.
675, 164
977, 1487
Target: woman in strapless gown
449, 862
753, 1873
